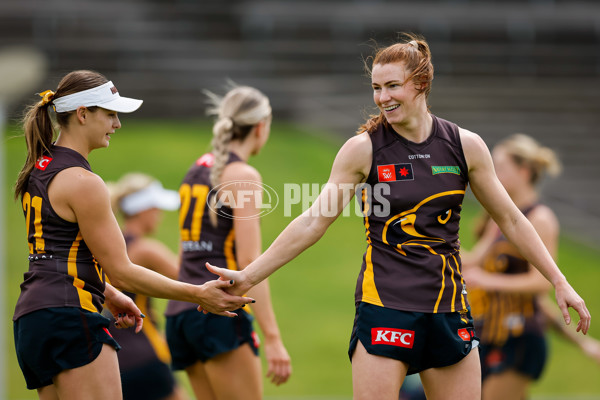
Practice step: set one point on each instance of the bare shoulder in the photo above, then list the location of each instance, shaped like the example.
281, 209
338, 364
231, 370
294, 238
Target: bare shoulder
358, 145
78, 179
240, 171
76, 189
474, 148
75, 184
356, 155
471, 141
146, 250
544, 219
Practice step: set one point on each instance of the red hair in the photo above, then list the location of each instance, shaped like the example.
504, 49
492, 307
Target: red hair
415, 54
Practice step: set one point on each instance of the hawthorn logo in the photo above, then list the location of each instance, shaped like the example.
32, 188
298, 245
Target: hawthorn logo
43, 162
393, 337
445, 169
395, 172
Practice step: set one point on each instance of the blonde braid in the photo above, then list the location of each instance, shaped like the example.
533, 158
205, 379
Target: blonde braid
222, 135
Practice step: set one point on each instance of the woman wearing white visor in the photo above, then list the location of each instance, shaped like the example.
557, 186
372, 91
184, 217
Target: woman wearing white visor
75, 244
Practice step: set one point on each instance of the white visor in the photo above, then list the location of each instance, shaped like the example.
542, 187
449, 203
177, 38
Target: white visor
105, 96
153, 196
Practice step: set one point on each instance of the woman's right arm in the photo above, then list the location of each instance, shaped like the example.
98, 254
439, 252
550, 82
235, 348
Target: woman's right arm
350, 168
80, 196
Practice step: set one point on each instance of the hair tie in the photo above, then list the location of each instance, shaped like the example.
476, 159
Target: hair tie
47, 96
414, 44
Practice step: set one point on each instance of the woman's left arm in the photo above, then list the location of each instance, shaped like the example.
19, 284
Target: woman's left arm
514, 225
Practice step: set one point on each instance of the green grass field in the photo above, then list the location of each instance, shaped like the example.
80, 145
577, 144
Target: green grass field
313, 295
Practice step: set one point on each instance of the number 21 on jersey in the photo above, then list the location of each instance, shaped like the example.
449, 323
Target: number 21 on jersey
34, 203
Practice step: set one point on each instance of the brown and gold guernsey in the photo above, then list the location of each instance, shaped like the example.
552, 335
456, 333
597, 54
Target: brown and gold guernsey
499, 315
62, 271
411, 203
202, 242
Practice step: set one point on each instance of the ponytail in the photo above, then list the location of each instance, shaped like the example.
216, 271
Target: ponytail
39, 134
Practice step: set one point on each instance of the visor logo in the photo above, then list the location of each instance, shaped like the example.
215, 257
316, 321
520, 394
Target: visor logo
114, 90
393, 337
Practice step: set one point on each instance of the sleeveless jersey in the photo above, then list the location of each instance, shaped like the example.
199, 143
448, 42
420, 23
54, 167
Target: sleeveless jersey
202, 242
62, 271
411, 203
138, 349
499, 315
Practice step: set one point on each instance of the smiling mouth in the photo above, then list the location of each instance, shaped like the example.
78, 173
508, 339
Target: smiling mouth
391, 108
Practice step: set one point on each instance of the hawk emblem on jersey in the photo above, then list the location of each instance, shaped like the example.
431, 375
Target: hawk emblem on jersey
43, 162
395, 172
403, 229
402, 232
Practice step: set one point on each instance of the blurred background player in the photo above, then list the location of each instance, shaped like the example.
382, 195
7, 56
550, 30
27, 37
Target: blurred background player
218, 223
508, 296
144, 358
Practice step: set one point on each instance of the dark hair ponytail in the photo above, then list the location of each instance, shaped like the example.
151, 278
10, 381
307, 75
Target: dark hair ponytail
39, 133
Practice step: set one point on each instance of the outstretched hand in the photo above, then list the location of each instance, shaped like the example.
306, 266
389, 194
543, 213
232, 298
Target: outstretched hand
236, 278
216, 297
567, 297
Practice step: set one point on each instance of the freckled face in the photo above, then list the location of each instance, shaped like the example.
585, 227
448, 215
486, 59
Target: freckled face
396, 99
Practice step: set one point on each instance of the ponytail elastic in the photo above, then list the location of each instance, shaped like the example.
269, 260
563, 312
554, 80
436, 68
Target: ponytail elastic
47, 97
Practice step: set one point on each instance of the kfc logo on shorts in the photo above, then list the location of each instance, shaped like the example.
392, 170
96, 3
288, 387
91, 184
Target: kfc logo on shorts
464, 334
393, 337
43, 162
